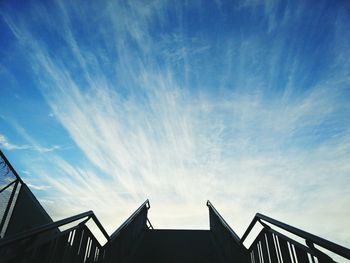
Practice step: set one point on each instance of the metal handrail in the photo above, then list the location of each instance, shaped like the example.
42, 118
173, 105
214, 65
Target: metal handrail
129, 220
8, 164
54, 225
338, 249
9, 204
227, 226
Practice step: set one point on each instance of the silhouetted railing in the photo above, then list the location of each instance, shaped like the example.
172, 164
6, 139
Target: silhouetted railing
45, 243
124, 240
10, 183
226, 240
272, 246
28, 234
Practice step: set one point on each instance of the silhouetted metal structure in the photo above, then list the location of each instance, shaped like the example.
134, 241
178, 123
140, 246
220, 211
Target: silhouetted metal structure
28, 234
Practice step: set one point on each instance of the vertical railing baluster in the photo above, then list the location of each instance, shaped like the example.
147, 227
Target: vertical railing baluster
264, 249
301, 255
272, 248
286, 257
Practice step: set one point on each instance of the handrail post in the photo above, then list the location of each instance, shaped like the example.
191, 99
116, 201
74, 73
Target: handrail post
323, 257
99, 225
250, 227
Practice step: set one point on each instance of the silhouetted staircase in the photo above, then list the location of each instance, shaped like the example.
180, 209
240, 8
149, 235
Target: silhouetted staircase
28, 235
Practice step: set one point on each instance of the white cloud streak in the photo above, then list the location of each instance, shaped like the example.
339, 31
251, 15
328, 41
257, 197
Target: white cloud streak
4, 143
9, 146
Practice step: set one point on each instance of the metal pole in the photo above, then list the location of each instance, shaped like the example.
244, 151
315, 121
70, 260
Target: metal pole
8, 206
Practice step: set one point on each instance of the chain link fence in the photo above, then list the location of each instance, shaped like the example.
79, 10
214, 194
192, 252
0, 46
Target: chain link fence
9, 188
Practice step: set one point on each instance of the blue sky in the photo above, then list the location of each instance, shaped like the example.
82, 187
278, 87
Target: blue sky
246, 103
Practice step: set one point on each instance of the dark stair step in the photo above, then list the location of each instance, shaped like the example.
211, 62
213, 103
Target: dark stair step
175, 246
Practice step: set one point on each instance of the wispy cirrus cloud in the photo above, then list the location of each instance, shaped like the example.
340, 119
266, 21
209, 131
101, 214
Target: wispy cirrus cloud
5, 144
252, 121
9, 146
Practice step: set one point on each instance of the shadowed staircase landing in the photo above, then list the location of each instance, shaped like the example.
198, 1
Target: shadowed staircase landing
175, 246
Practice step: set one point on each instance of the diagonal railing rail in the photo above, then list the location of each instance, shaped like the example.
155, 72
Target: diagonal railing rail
46, 242
126, 238
41, 229
42, 241
272, 245
225, 239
